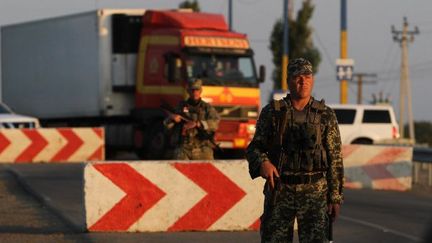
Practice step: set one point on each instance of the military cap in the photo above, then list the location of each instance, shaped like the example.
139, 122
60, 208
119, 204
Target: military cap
299, 66
195, 84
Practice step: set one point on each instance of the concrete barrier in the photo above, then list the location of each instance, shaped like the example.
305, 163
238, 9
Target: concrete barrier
150, 196
378, 167
51, 145
172, 196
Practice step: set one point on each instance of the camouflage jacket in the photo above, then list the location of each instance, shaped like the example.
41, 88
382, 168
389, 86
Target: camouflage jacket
202, 112
258, 150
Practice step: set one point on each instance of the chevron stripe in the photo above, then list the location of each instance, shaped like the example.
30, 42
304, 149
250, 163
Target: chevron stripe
95, 179
91, 142
378, 167
18, 143
38, 143
55, 143
197, 196
177, 202
51, 145
249, 209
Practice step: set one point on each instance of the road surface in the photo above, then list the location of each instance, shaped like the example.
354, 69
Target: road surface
50, 209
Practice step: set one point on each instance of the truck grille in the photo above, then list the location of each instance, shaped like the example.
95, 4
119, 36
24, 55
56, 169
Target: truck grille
17, 125
237, 112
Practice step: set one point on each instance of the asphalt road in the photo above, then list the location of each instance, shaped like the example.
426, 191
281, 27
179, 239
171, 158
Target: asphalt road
367, 215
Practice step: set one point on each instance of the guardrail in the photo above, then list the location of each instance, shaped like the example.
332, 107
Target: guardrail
422, 166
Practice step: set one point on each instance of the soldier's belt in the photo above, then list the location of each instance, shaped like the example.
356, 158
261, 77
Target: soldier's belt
301, 179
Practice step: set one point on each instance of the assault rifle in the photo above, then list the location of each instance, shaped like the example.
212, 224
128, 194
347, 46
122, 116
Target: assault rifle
185, 117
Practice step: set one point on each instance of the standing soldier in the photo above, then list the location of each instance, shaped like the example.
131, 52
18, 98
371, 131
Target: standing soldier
189, 140
297, 149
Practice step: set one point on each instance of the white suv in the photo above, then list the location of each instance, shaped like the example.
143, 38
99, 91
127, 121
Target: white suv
366, 124
9, 119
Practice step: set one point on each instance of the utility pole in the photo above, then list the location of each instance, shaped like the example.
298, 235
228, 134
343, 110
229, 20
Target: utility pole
405, 82
230, 14
284, 66
343, 50
360, 83
291, 9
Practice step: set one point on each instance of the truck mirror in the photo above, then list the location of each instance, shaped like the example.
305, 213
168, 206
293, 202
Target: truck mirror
262, 73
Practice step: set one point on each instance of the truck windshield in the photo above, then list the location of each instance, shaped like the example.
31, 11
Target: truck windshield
222, 70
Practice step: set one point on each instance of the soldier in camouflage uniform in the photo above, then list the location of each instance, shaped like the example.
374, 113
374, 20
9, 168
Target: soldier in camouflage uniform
190, 145
297, 149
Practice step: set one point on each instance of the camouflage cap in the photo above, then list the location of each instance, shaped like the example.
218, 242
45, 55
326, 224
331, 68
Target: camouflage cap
195, 84
299, 66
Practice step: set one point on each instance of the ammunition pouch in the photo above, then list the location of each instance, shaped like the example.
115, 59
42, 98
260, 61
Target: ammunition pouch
297, 147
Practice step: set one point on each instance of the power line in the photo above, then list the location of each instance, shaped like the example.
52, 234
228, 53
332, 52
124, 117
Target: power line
326, 53
248, 2
387, 62
360, 82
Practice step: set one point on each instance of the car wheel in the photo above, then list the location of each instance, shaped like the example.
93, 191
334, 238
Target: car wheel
362, 141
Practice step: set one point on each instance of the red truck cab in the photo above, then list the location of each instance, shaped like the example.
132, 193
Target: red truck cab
175, 47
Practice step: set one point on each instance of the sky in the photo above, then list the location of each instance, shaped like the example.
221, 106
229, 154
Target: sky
370, 41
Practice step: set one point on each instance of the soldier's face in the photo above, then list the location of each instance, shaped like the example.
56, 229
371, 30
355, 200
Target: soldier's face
301, 86
195, 94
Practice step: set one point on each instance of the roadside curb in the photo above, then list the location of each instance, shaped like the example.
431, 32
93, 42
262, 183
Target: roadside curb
45, 201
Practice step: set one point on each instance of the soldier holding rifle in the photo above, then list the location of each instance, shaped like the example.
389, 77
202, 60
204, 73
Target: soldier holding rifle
297, 149
193, 123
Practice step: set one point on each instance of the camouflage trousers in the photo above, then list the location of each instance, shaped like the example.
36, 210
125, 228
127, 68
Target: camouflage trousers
306, 202
194, 153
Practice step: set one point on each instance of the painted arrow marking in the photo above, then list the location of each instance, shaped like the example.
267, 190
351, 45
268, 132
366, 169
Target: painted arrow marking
11, 152
347, 150
371, 166
99, 153
4, 142
140, 196
38, 143
72, 145
89, 138
246, 212
55, 143
222, 195
181, 195
376, 168
51, 145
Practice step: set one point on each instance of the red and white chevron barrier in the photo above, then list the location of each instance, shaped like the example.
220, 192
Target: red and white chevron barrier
172, 196
378, 167
153, 196
51, 145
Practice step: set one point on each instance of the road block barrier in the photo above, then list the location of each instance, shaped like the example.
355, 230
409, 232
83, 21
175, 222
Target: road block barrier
151, 196
378, 167
172, 196
51, 145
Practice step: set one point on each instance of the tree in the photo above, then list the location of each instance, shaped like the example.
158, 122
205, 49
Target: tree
300, 41
423, 132
194, 5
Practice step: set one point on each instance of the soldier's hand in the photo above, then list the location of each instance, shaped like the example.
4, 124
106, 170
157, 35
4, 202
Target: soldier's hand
189, 125
333, 210
269, 171
176, 118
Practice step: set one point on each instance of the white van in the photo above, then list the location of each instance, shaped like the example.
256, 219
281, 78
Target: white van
366, 124
9, 119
